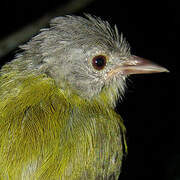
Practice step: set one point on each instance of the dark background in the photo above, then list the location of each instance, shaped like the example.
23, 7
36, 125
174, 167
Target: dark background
149, 107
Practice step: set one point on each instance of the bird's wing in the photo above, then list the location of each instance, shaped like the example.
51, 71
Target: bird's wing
30, 107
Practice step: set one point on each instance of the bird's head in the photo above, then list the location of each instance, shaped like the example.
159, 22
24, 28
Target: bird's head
86, 56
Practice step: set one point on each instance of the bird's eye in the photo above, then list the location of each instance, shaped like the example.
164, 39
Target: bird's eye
99, 62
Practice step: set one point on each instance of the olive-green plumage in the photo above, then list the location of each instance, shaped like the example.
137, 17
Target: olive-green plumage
47, 134
57, 99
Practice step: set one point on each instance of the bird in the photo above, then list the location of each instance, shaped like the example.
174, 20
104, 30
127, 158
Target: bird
57, 101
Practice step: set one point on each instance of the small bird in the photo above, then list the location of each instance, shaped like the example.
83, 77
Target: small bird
57, 100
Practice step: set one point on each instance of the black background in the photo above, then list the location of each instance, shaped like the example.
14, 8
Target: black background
149, 107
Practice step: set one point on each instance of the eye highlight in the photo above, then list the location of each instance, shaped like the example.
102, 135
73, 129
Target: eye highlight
99, 62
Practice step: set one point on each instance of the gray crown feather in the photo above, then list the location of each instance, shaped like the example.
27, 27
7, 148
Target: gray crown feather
92, 28
71, 30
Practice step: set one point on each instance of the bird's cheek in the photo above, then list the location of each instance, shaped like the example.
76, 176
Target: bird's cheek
115, 72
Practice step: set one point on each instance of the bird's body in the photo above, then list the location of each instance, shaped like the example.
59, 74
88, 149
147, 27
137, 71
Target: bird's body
49, 134
57, 99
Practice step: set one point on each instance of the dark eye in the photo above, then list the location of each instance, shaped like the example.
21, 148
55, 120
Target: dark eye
99, 62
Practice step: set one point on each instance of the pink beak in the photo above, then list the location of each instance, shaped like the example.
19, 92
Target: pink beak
137, 65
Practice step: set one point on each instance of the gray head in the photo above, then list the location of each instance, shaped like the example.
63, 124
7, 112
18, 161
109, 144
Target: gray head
85, 55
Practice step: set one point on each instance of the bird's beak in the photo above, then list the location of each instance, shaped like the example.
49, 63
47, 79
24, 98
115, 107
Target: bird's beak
137, 65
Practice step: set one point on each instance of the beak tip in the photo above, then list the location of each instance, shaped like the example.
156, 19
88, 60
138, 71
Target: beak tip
164, 70
167, 71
